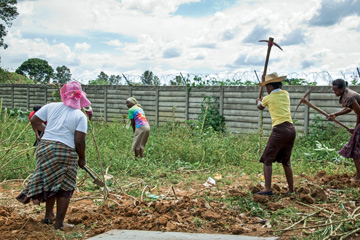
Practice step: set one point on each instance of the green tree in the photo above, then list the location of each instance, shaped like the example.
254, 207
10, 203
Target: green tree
298, 81
62, 74
102, 79
148, 78
36, 69
8, 12
114, 79
178, 81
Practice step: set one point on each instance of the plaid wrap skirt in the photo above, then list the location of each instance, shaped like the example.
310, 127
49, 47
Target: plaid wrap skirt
54, 175
352, 148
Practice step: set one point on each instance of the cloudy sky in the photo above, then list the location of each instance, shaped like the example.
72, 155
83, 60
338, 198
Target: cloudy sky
188, 36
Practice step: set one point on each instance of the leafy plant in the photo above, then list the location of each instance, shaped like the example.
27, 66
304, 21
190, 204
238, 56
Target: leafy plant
56, 97
323, 152
247, 204
22, 116
298, 81
13, 78
210, 117
320, 129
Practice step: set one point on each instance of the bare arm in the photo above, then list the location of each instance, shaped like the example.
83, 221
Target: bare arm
37, 125
80, 145
342, 112
133, 124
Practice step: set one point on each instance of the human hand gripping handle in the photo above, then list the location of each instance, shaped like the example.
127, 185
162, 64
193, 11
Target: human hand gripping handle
332, 116
82, 162
351, 130
259, 104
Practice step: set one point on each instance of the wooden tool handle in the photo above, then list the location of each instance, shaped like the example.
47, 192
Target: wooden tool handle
270, 43
88, 171
322, 112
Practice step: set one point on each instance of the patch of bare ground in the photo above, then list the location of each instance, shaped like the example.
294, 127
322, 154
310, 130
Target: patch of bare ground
199, 210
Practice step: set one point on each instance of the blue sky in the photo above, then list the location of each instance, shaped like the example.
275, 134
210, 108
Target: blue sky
189, 36
203, 8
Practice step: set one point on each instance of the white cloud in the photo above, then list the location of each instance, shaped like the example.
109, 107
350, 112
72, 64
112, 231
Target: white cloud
154, 7
93, 36
116, 43
83, 47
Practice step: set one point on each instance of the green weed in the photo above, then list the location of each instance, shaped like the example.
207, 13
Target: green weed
172, 150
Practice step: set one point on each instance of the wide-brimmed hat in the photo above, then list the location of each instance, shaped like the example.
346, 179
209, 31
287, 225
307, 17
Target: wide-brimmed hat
271, 78
73, 96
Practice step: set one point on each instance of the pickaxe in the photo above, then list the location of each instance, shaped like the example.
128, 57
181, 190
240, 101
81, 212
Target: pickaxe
270, 44
96, 181
304, 97
303, 100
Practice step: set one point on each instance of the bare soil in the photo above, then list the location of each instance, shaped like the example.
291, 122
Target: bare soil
197, 210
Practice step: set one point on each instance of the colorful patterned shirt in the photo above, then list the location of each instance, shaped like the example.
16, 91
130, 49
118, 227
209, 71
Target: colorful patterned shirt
138, 115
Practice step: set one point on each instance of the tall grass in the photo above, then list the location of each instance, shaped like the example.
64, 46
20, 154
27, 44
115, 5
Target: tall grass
170, 149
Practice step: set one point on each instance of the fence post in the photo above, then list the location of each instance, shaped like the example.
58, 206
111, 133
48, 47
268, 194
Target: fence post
46, 95
130, 91
105, 102
222, 100
186, 103
157, 93
28, 97
12, 97
306, 114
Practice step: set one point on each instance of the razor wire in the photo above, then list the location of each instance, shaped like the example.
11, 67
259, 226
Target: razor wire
239, 78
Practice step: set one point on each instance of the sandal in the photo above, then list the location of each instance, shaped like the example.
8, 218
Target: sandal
270, 193
48, 220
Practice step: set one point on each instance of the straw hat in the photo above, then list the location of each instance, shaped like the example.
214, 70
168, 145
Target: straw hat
73, 96
271, 78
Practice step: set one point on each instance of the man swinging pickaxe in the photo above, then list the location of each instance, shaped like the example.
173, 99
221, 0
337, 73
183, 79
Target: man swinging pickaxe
270, 44
304, 100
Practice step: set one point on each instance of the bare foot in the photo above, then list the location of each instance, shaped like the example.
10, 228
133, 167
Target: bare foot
355, 179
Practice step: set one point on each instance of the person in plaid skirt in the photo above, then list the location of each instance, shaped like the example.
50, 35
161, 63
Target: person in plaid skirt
350, 100
60, 151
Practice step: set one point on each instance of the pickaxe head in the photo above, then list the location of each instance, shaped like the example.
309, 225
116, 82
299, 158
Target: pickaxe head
271, 43
301, 101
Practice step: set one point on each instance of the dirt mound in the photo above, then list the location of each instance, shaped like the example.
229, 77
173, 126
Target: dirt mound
339, 182
230, 210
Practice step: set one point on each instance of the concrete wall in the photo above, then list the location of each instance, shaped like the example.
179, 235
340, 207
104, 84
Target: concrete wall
165, 103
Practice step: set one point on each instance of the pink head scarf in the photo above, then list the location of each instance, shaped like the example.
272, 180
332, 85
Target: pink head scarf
73, 96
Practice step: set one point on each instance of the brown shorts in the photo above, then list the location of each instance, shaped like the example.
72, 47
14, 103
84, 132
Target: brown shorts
141, 136
280, 144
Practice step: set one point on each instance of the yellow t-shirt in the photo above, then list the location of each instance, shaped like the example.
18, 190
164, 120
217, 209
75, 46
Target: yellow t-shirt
278, 104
